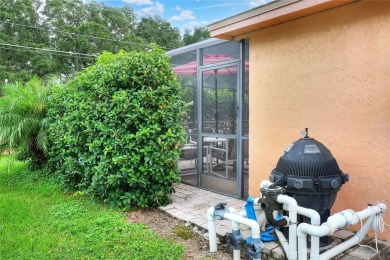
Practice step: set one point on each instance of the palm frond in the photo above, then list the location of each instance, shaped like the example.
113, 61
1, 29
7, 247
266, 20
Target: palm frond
23, 110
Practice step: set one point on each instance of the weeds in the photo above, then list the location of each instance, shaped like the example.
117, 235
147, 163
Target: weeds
183, 231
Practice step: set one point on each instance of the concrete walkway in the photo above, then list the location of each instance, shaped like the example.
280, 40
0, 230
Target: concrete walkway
190, 204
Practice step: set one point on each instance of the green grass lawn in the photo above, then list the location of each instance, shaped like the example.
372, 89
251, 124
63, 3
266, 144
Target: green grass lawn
39, 221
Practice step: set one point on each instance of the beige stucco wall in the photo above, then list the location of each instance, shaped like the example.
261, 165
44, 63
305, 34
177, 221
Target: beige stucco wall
329, 72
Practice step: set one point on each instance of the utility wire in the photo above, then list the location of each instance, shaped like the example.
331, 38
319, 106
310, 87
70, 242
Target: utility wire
49, 53
48, 50
77, 34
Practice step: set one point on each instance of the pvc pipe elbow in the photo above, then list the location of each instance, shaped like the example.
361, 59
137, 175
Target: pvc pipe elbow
234, 211
245, 221
256, 201
320, 231
210, 214
314, 216
302, 230
242, 214
305, 229
382, 206
292, 205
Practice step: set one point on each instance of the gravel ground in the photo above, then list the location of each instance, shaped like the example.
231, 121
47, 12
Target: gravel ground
195, 245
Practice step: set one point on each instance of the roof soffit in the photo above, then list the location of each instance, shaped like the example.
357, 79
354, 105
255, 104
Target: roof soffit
265, 16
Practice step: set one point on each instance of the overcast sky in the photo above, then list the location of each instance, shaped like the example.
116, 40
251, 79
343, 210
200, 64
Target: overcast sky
188, 13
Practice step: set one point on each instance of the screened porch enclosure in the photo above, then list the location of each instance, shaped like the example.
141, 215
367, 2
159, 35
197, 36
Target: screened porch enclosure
214, 79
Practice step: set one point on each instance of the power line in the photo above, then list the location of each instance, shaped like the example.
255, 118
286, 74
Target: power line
48, 50
77, 34
49, 53
167, 48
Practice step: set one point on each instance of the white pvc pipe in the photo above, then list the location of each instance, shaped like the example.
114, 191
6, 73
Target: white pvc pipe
212, 230
340, 248
236, 220
260, 216
254, 226
245, 221
283, 241
334, 222
359, 236
378, 208
302, 245
234, 211
236, 254
292, 207
242, 213
275, 214
315, 220
349, 243
314, 216
318, 231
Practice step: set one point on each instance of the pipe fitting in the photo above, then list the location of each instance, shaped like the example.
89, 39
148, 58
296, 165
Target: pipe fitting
220, 210
269, 198
341, 219
290, 202
314, 216
302, 230
334, 222
378, 208
254, 226
234, 239
254, 249
264, 206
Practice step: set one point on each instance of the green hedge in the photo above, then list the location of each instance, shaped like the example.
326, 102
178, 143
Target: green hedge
116, 129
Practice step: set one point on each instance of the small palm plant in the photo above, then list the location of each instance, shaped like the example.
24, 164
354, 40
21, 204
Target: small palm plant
23, 124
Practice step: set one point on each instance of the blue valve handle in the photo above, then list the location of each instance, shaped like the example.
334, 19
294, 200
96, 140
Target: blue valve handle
250, 211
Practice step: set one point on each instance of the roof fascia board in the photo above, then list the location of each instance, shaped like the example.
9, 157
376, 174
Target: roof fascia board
195, 46
242, 23
249, 14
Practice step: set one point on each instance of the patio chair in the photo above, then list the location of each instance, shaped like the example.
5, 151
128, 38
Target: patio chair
190, 152
227, 155
193, 134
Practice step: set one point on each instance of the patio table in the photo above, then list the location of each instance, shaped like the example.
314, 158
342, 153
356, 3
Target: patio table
208, 141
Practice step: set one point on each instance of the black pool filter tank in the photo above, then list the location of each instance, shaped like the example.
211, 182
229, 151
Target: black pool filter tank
310, 174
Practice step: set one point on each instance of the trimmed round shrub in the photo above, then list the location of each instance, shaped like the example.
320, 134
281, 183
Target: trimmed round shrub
116, 129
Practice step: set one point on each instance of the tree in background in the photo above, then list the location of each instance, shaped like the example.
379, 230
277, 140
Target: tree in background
159, 31
199, 34
17, 64
89, 29
120, 24
29, 29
